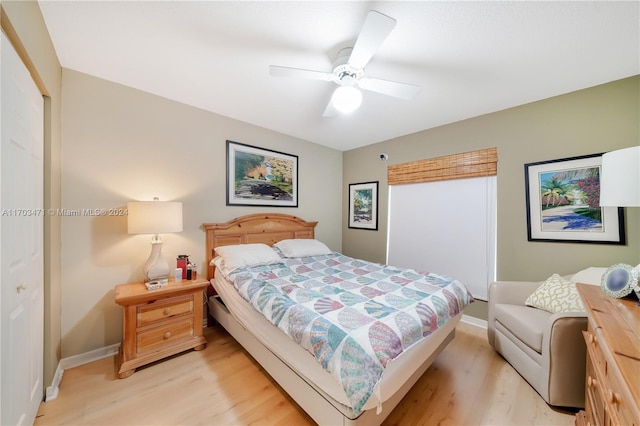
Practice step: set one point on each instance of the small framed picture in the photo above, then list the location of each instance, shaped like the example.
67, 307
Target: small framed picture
363, 205
619, 280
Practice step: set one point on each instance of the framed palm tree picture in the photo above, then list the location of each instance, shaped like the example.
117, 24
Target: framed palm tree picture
563, 203
363, 205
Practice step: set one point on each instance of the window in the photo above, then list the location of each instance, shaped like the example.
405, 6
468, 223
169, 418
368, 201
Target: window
441, 223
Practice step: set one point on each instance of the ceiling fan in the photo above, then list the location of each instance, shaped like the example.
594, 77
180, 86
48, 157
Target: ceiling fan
348, 69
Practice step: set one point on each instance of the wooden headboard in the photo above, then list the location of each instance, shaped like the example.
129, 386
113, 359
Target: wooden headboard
267, 228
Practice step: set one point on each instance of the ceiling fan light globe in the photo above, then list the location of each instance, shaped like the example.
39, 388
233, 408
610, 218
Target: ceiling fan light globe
346, 99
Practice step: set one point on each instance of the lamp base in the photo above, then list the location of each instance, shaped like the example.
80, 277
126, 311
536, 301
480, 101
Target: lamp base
156, 268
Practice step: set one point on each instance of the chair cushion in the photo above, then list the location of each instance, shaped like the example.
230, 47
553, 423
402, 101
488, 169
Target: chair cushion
526, 323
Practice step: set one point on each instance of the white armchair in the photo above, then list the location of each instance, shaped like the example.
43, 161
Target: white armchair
547, 349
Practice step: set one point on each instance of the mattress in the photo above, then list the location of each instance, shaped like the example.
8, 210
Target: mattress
303, 363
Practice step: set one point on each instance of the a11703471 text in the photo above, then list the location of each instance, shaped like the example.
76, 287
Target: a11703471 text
64, 212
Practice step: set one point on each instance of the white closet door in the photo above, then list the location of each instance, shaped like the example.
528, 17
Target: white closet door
21, 235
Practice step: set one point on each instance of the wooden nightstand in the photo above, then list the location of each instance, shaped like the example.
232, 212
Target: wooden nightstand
159, 323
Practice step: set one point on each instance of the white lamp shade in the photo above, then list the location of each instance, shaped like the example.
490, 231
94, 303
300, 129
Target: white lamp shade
620, 178
346, 99
154, 217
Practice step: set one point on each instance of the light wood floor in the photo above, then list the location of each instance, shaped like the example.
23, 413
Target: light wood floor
468, 384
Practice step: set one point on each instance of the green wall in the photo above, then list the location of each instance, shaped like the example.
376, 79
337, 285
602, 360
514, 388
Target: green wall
594, 120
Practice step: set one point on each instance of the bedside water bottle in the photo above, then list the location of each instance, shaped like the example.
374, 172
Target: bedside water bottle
189, 271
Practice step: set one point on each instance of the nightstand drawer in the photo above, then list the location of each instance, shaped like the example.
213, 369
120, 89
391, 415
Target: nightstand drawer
159, 310
162, 336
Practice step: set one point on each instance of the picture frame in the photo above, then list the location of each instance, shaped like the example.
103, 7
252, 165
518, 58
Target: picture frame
261, 177
562, 199
363, 205
619, 280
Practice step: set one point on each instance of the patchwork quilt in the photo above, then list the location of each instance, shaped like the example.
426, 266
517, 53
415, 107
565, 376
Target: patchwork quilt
353, 316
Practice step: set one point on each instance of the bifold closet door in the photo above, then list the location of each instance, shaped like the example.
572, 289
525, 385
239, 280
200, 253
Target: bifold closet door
21, 235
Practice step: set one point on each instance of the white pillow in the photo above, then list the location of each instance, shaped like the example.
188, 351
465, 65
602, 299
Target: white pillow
245, 255
217, 262
302, 247
592, 275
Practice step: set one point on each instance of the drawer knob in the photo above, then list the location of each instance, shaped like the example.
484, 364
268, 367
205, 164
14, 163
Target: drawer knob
614, 397
166, 311
591, 382
167, 335
592, 339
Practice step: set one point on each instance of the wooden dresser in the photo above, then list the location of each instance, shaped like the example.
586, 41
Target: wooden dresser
159, 323
613, 359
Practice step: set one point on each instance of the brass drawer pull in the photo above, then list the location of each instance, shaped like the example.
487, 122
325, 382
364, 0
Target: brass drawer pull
167, 335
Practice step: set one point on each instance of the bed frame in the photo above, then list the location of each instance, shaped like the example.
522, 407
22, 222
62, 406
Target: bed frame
269, 229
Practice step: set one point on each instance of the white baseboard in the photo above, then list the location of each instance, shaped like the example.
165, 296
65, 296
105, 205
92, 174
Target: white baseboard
87, 357
52, 391
75, 361
474, 321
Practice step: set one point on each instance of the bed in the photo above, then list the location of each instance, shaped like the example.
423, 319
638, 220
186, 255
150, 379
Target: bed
323, 396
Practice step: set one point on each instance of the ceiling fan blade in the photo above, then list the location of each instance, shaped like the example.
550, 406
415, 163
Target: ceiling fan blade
375, 30
391, 88
278, 71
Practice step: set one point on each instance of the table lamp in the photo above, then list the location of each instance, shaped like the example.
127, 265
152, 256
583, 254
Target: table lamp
620, 178
620, 182
154, 217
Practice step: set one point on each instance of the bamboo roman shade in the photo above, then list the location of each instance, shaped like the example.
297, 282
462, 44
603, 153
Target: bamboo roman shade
458, 166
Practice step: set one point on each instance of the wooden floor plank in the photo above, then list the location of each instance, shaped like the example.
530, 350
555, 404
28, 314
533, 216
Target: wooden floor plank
468, 384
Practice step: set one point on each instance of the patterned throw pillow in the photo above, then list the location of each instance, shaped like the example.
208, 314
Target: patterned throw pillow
556, 295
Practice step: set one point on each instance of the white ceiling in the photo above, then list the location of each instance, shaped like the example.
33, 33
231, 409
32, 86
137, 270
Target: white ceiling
470, 58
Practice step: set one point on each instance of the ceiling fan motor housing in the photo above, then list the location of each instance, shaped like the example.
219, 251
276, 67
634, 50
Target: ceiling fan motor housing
345, 74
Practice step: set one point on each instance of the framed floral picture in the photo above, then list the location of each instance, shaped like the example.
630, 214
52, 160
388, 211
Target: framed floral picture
563, 203
363, 205
261, 177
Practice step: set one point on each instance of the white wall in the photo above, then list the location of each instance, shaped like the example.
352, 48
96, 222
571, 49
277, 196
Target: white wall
121, 144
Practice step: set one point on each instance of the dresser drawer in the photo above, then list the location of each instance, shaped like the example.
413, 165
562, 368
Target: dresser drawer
160, 309
618, 399
593, 346
594, 396
160, 337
